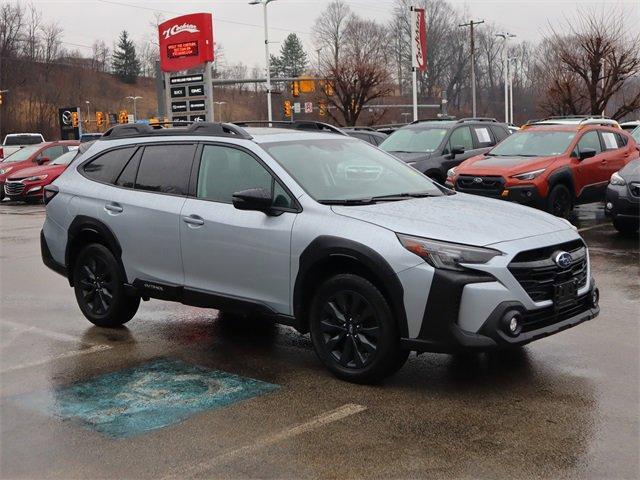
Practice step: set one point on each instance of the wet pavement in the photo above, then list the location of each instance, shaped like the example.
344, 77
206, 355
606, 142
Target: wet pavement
258, 404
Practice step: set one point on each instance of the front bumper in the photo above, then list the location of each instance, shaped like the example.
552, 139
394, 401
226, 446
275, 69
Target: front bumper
527, 195
619, 203
441, 331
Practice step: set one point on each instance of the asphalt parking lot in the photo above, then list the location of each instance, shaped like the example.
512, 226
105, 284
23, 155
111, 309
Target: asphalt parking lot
78, 401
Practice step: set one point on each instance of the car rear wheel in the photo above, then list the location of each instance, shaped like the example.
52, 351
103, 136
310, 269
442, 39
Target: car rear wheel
353, 330
560, 201
99, 288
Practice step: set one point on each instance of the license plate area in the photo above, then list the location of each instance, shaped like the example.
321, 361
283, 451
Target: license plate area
565, 294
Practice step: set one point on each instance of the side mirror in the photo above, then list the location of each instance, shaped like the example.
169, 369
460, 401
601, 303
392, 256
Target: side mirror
42, 160
457, 150
257, 199
586, 153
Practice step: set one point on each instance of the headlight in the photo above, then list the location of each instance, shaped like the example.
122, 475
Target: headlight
528, 175
449, 256
35, 179
5, 170
568, 223
617, 179
451, 172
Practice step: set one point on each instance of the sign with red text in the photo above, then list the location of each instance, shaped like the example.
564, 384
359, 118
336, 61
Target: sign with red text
418, 39
186, 42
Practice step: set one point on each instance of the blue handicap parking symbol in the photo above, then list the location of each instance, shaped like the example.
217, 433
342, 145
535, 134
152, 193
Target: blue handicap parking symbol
146, 397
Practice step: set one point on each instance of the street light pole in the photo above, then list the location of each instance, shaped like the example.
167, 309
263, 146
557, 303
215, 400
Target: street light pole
471, 24
220, 105
2, 92
505, 37
510, 89
135, 98
266, 53
88, 113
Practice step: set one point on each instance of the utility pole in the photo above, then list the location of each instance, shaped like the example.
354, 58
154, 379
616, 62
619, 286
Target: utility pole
505, 36
471, 24
266, 53
510, 89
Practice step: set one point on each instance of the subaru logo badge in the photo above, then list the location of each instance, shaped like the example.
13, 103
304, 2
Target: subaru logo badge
563, 259
477, 180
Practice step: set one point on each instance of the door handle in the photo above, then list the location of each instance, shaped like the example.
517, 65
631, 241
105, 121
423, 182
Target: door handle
113, 208
194, 220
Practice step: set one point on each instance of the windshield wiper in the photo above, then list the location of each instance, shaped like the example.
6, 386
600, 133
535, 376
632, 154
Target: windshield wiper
348, 201
403, 196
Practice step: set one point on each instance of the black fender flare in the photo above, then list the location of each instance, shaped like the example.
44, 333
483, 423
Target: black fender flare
82, 225
565, 176
327, 248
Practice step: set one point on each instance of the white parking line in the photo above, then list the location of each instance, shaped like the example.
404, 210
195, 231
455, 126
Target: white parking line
40, 331
592, 227
331, 416
73, 353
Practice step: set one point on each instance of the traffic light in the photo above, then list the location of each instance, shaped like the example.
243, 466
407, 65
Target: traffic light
295, 88
328, 89
322, 109
123, 116
99, 119
287, 108
74, 119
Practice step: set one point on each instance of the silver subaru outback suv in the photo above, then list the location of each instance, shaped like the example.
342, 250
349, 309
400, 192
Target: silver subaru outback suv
319, 231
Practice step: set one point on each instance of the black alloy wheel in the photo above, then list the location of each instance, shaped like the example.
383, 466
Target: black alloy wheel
98, 280
350, 329
353, 330
96, 283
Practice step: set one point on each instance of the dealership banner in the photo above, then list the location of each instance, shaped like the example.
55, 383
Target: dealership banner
186, 42
418, 39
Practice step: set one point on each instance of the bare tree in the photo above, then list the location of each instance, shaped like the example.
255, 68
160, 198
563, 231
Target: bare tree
330, 29
51, 42
596, 58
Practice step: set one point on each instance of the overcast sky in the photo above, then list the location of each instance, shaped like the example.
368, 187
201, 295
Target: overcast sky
238, 26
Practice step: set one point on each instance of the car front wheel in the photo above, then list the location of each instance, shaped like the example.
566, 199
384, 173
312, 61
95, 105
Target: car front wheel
626, 227
99, 288
353, 330
560, 201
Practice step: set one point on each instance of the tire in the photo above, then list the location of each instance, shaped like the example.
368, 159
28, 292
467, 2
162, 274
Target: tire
626, 227
99, 288
560, 201
353, 330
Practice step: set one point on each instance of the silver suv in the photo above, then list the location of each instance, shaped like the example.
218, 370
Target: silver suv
322, 232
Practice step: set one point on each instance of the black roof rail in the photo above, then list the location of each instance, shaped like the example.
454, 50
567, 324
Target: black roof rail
295, 125
213, 129
367, 129
477, 119
436, 119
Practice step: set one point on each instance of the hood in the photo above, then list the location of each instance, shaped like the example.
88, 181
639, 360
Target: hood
33, 171
458, 218
631, 171
411, 157
487, 165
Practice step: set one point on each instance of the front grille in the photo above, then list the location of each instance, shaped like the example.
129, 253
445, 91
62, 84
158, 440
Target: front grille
13, 188
536, 319
537, 272
487, 186
634, 189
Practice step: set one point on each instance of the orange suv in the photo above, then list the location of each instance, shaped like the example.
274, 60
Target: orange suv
552, 164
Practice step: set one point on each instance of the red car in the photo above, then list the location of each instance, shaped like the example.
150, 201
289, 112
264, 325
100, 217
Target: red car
32, 156
552, 165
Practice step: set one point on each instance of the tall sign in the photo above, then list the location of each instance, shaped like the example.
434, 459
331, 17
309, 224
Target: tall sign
69, 124
418, 50
186, 43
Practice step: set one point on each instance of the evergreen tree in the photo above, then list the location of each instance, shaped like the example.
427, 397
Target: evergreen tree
126, 65
292, 61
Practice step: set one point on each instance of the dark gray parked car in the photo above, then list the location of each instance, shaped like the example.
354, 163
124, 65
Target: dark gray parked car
369, 135
622, 202
434, 146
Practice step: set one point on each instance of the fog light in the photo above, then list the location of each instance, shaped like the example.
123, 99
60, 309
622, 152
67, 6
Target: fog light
595, 297
505, 193
512, 323
609, 205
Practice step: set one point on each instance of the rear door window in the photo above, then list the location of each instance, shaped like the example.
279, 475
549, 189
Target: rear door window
165, 168
127, 178
483, 137
499, 133
610, 140
52, 152
108, 166
461, 137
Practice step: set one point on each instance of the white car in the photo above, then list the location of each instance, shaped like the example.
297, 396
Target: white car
15, 141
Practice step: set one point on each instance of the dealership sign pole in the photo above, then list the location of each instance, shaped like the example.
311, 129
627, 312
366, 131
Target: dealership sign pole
186, 43
418, 51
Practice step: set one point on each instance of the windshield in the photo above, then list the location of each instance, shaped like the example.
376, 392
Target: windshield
414, 140
12, 140
65, 159
347, 169
533, 144
22, 154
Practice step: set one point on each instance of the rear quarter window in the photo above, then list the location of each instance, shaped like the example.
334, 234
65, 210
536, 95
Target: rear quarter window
165, 169
499, 133
483, 136
108, 166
